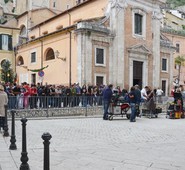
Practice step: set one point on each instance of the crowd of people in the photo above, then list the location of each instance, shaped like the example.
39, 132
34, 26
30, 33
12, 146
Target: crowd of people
32, 96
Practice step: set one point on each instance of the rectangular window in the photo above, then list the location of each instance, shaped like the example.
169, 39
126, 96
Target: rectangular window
177, 48
100, 56
33, 78
5, 42
164, 86
54, 4
33, 57
138, 24
99, 80
164, 64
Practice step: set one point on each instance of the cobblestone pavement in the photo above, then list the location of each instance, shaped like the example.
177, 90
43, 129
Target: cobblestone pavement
95, 144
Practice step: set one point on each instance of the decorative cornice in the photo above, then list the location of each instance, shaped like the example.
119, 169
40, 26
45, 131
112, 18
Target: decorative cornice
140, 48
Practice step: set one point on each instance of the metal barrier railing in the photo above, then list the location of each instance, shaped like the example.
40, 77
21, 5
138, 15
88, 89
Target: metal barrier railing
36, 102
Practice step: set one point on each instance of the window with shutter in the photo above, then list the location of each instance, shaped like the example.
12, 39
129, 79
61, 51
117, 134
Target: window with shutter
138, 24
6, 42
10, 43
164, 64
33, 57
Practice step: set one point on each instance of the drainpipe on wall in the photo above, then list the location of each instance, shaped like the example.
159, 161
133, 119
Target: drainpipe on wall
69, 50
41, 51
70, 58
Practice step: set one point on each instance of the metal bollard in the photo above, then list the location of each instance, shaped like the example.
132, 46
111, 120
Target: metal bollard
46, 137
6, 133
24, 157
13, 139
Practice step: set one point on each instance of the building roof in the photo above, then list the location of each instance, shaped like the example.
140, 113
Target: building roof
64, 12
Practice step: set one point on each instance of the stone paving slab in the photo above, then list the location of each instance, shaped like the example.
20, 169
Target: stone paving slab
95, 144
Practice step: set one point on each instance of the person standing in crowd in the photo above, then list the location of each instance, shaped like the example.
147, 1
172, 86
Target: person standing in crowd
3, 102
107, 95
151, 103
84, 95
90, 94
17, 91
133, 100
78, 94
144, 93
138, 99
159, 93
26, 95
33, 96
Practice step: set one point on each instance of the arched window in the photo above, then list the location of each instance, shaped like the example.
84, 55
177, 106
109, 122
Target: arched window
20, 61
23, 31
2, 62
23, 35
50, 55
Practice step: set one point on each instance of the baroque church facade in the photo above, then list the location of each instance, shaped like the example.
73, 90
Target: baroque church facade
99, 42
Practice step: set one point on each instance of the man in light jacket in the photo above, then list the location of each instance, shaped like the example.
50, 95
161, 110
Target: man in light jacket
3, 102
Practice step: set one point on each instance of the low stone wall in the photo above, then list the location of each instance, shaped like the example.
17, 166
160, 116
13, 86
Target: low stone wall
57, 112
67, 111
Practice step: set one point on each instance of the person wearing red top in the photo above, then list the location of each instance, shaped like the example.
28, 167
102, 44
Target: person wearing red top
33, 96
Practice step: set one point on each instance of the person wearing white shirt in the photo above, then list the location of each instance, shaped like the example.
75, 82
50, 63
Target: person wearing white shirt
144, 93
159, 93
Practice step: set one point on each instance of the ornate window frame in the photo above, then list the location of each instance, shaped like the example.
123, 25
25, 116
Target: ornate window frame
143, 14
104, 56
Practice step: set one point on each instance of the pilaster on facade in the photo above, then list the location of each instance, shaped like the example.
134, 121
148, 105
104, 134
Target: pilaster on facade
117, 26
156, 48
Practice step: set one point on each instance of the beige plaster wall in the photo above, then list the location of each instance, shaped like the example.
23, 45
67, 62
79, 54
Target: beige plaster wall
71, 17
41, 15
58, 70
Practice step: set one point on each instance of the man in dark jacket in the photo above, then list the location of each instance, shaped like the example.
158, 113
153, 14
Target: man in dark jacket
107, 94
